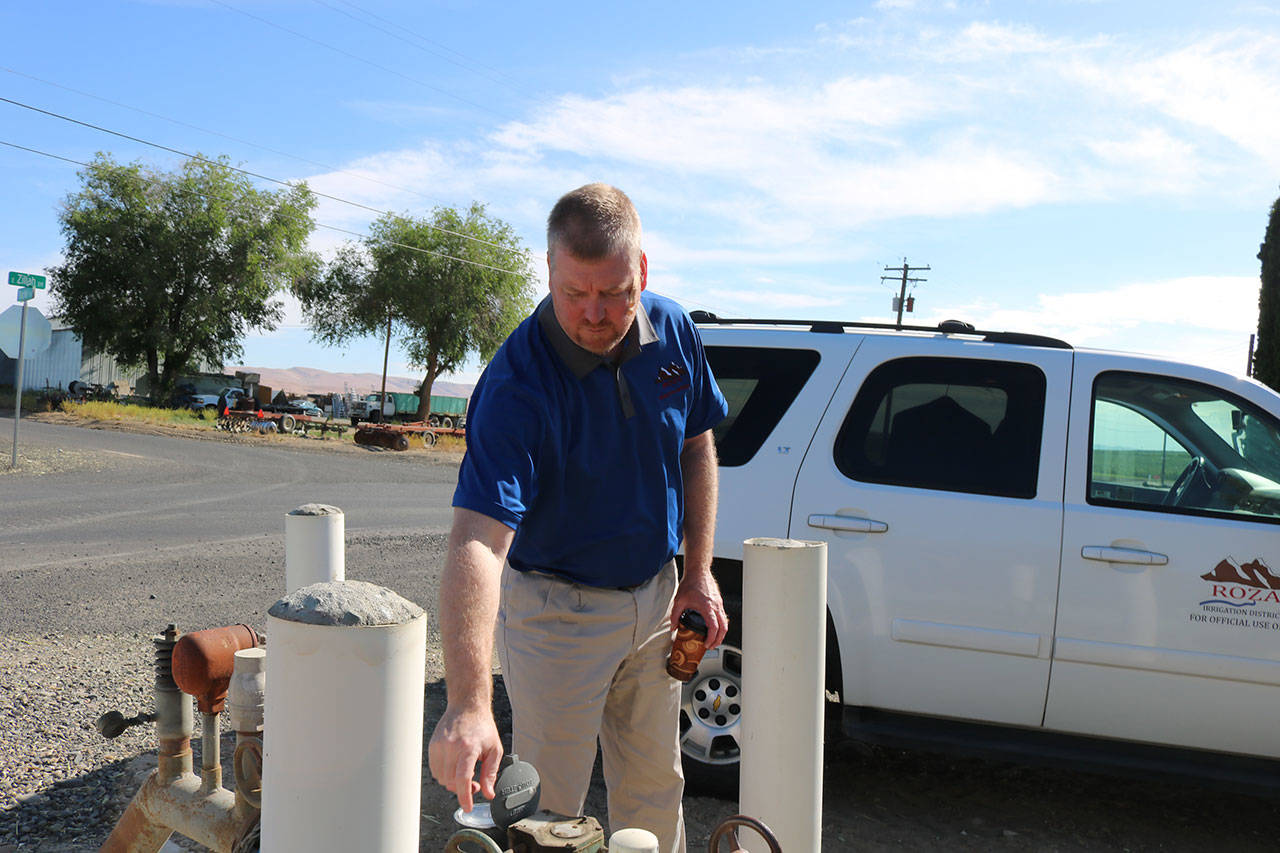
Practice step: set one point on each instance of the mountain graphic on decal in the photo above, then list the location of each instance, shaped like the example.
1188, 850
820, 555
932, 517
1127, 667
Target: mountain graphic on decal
1254, 573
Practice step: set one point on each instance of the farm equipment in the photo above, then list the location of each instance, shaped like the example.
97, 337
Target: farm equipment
257, 420
396, 436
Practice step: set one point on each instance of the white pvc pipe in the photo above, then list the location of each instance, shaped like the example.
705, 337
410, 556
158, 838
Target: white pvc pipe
633, 840
246, 693
343, 762
314, 548
784, 639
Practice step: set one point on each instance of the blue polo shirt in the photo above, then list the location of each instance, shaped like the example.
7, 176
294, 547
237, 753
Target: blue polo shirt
581, 457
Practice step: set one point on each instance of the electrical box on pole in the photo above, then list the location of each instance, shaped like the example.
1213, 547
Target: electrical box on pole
903, 302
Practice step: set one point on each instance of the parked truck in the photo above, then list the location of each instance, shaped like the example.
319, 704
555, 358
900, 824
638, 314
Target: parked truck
446, 412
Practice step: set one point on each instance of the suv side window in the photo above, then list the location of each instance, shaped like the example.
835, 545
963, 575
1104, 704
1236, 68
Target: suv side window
953, 424
759, 385
1172, 445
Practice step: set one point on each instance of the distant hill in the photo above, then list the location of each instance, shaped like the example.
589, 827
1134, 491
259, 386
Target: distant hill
308, 380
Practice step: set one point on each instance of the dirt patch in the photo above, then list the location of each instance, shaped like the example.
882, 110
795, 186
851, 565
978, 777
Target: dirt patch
37, 461
292, 441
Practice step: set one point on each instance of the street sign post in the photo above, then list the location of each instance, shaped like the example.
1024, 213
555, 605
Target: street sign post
26, 279
14, 319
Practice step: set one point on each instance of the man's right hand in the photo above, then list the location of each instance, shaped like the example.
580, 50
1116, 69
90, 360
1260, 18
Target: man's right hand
460, 739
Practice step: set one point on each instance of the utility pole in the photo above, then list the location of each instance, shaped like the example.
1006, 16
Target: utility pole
905, 272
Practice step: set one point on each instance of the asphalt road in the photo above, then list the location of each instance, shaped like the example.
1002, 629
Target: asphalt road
149, 529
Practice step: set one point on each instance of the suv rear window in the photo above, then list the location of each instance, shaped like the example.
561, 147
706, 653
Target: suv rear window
960, 425
759, 385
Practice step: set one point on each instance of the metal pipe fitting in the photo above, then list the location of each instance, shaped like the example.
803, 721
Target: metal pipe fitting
175, 721
204, 660
159, 809
173, 798
210, 754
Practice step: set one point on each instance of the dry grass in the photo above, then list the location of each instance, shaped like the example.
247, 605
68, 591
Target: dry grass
104, 411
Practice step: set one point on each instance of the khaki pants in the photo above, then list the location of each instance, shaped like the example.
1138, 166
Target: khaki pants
580, 663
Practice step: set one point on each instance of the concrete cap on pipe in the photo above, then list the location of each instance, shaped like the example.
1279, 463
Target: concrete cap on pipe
782, 544
204, 660
345, 603
315, 509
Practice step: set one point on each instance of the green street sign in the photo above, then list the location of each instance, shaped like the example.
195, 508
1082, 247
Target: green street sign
26, 279
26, 293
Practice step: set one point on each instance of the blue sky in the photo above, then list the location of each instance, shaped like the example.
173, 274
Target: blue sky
1100, 171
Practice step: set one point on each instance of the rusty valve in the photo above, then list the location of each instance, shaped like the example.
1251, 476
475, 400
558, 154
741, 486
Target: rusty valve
728, 830
203, 662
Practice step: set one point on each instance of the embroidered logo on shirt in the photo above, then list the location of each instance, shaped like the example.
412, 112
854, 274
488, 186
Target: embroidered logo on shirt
672, 379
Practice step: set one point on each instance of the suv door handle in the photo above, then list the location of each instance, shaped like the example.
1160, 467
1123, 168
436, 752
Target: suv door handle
849, 523
1133, 556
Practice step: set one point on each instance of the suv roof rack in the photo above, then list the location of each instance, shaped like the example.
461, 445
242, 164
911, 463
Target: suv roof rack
947, 327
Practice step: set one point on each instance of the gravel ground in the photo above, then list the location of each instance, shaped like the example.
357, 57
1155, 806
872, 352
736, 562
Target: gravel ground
76, 643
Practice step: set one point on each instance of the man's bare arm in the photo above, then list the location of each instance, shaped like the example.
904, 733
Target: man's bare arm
698, 588
469, 590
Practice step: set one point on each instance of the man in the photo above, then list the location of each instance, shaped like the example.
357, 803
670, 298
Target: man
589, 457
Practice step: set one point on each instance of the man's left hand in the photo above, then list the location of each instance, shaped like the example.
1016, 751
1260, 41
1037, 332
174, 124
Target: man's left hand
699, 591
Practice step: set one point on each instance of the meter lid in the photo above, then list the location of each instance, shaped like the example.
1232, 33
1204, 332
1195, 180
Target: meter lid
516, 791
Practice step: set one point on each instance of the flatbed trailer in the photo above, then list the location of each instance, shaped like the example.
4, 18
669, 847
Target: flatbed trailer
396, 436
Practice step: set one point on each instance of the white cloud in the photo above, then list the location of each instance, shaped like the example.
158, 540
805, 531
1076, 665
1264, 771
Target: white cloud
872, 125
952, 132
1204, 320
1227, 84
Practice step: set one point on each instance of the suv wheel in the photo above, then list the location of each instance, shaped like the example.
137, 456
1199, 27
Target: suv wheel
711, 722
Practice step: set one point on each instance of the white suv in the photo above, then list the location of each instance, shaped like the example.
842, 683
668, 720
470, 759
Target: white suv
1032, 549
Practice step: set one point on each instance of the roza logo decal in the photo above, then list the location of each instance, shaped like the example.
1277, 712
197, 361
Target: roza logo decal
1242, 585
1233, 587
672, 379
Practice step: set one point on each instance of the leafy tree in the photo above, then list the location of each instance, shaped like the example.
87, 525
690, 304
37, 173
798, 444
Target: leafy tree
162, 269
445, 286
1266, 358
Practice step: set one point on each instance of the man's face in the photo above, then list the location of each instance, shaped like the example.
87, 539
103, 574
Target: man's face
596, 301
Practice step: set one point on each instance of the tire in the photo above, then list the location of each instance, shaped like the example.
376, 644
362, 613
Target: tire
446, 423
711, 745
287, 423
355, 422
433, 421
711, 723
375, 417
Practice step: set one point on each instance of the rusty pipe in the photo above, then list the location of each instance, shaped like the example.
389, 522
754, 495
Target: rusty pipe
182, 806
173, 798
203, 662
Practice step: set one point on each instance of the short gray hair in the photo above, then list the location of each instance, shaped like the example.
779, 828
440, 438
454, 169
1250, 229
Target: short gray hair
593, 222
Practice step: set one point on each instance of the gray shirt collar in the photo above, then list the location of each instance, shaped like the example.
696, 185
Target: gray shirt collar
582, 361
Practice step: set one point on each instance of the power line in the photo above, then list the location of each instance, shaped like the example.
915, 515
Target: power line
227, 136
491, 74
261, 177
326, 226
359, 58
317, 224
421, 37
